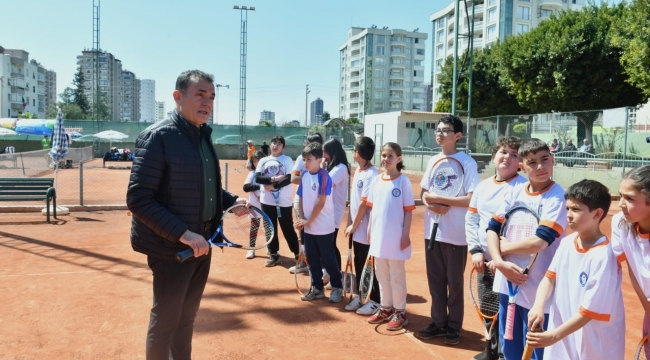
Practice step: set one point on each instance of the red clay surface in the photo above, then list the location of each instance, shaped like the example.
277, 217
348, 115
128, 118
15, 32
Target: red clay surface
75, 289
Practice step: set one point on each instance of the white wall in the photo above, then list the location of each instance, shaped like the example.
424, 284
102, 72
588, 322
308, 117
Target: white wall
389, 122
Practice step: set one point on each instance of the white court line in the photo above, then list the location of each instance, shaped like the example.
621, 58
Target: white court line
423, 345
64, 273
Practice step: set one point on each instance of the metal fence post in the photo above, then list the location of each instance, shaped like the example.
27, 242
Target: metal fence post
226, 176
81, 183
627, 122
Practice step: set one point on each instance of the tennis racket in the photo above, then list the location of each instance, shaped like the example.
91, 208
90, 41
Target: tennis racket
273, 168
520, 223
445, 179
239, 231
486, 301
367, 277
302, 277
528, 350
349, 280
643, 350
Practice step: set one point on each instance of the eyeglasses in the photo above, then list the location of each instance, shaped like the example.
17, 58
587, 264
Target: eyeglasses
444, 131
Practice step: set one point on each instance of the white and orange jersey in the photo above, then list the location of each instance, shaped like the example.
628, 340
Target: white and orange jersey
587, 281
359, 194
630, 245
341, 182
549, 204
253, 196
452, 225
389, 199
311, 187
485, 201
285, 193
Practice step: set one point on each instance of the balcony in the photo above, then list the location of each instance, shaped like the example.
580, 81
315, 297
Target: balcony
399, 65
478, 25
396, 75
396, 53
552, 4
396, 86
17, 73
17, 83
40, 90
354, 78
355, 46
396, 98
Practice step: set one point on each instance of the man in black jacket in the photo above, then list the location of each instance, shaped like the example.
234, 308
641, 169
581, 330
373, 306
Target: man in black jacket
176, 199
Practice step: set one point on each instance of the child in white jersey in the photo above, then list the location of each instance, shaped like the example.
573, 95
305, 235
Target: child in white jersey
358, 217
543, 195
485, 202
631, 235
392, 203
583, 282
317, 219
253, 190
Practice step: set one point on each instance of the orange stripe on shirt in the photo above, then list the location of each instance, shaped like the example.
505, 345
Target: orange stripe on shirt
621, 257
409, 208
550, 274
553, 225
498, 218
368, 203
593, 315
473, 210
364, 198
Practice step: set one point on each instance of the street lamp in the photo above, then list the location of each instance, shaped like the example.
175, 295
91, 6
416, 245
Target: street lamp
243, 10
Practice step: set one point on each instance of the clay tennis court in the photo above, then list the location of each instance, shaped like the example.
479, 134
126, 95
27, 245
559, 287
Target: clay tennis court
75, 289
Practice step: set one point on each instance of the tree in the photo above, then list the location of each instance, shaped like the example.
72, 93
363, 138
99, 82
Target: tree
67, 96
79, 97
326, 116
104, 113
489, 96
28, 115
568, 64
353, 121
266, 123
72, 112
632, 34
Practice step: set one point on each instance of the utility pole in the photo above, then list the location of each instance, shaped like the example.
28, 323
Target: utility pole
243, 42
306, 100
96, 89
215, 120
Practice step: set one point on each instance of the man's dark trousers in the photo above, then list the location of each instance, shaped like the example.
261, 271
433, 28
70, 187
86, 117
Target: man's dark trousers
177, 291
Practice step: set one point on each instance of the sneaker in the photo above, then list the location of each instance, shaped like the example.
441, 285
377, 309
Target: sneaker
368, 309
273, 260
313, 294
431, 331
381, 315
397, 321
353, 305
452, 337
336, 295
328, 286
250, 254
300, 268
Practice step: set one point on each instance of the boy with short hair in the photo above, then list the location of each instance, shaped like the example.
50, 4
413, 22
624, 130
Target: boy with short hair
583, 282
446, 261
485, 202
317, 220
543, 195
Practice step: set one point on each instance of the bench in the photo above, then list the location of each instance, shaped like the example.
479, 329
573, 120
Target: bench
29, 189
599, 165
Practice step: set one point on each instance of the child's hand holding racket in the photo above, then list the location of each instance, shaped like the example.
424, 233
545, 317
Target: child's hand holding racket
438, 208
536, 317
541, 339
512, 272
349, 230
478, 262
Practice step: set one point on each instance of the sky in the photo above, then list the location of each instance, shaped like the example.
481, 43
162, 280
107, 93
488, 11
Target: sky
291, 43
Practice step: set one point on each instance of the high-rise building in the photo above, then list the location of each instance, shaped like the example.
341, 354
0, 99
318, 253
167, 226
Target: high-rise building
110, 81
428, 105
266, 115
381, 70
160, 110
316, 115
22, 84
130, 96
50, 89
494, 21
148, 100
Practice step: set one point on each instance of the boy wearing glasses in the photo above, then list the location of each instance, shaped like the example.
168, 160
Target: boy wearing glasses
446, 261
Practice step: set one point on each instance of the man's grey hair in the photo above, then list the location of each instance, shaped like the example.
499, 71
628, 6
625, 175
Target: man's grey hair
183, 80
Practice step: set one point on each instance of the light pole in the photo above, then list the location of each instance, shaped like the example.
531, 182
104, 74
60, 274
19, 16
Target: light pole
306, 100
216, 102
243, 11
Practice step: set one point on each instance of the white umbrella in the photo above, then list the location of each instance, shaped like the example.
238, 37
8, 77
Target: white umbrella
5, 131
111, 135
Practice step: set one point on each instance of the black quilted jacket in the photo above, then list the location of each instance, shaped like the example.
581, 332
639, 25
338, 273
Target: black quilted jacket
165, 193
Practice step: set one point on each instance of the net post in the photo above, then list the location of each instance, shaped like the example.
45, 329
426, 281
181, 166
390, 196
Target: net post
81, 183
226, 176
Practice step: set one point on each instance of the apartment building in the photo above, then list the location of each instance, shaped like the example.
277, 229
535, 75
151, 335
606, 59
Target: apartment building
266, 115
493, 21
130, 96
23, 84
316, 114
148, 100
160, 110
381, 70
110, 80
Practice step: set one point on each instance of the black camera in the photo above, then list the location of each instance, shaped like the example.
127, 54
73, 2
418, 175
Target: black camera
647, 139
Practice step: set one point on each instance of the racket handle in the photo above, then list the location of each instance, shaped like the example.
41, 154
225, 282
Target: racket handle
510, 322
528, 350
184, 255
434, 232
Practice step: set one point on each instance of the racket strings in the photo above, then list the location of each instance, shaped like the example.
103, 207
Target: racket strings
480, 287
242, 223
447, 178
520, 224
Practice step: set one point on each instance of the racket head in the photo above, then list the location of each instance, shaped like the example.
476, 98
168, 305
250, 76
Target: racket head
367, 277
348, 280
302, 279
643, 349
485, 300
520, 223
447, 177
238, 228
273, 168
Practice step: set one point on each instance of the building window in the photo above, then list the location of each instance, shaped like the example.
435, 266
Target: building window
419, 51
380, 50
379, 106
439, 65
407, 62
407, 84
522, 28
396, 38
523, 13
441, 23
409, 40
546, 13
378, 95
396, 61
441, 36
354, 63
439, 50
379, 72
492, 15
417, 41
379, 61
379, 83
491, 32
381, 39
492, 2
418, 62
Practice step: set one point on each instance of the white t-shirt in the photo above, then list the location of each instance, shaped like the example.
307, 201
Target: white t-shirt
341, 183
451, 228
389, 200
310, 188
299, 166
485, 202
587, 282
360, 190
253, 196
268, 166
634, 247
551, 208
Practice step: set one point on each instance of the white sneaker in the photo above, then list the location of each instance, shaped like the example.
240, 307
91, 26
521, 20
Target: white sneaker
328, 286
353, 305
368, 309
299, 269
250, 254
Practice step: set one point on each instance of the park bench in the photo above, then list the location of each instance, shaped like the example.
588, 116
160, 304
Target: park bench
29, 189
